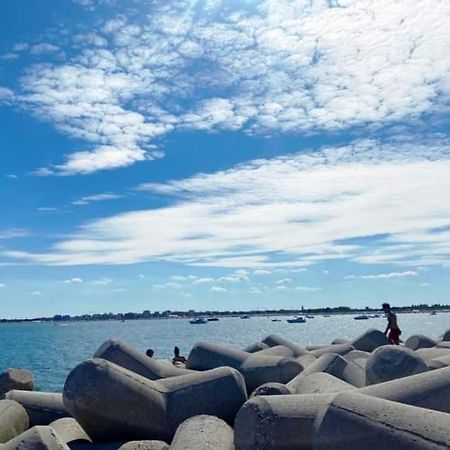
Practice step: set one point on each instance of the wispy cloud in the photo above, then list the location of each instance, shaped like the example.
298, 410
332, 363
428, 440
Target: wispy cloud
355, 202
308, 288
218, 289
282, 65
384, 276
103, 281
96, 198
11, 233
2, 285
36, 293
74, 280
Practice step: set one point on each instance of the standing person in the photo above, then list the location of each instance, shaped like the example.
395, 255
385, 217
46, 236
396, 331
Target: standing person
177, 358
392, 325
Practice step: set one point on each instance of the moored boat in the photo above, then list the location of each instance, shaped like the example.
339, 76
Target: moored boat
198, 321
298, 319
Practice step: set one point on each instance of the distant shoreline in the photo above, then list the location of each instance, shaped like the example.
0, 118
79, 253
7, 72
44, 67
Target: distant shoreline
147, 315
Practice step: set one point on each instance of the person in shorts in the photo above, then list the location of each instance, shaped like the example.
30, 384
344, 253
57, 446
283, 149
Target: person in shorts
392, 325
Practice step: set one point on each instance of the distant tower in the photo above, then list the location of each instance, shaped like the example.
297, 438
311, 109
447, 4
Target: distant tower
302, 308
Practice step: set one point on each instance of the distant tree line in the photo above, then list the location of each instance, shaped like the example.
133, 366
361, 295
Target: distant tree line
192, 313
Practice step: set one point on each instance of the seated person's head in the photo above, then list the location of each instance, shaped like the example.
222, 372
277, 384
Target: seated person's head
150, 353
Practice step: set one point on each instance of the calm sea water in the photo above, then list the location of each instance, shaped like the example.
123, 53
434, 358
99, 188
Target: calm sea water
51, 351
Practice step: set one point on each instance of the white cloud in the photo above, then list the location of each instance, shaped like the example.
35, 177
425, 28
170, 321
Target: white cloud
46, 209
281, 288
96, 198
218, 289
204, 280
103, 281
384, 276
284, 281
11, 233
169, 285
43, 48
6, 95
36, 293
261, 272
282, 64
2, 285
308, 288
352, 203
425, 284
183, 277
75, 280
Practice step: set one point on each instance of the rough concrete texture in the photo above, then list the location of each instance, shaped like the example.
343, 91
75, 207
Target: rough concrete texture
329, 363
392, 361
419, 341
278, 350
370, 340
37, 438
256, 369
306, 360
15, 379
354, 421
13, 420
69, 430
271, 389
274, 339
428, 390
126, 356
439, 363
355, 372
145, 445
321, 383
431, 353
113, 403
356, 354
255, 347
339, 349
278, 422
203, 433
443, 344
42, 407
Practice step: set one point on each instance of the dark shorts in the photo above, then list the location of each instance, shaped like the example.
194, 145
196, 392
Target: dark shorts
394, 335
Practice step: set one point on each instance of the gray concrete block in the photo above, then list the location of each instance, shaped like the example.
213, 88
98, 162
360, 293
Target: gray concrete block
113, 403
274, 339
431, 353
352, 421
279, 422
145, 445
306, 360
256, 369
321, 383
356, 354
37, 438
277, 350
15, 379
13, 420
203, 433
69, 430
443, 344
339, 349
42, 407
419, 341
392, 361
255, 347
427, 390
271, 389
340, 341
446, 336
126, 356
439, 363
370, 340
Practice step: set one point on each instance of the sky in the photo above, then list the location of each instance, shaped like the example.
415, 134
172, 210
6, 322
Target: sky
223, 155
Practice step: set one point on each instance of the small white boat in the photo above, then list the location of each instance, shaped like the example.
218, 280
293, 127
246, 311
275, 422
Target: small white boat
309, 317
198, 321
361, 317
212, 319
298, 319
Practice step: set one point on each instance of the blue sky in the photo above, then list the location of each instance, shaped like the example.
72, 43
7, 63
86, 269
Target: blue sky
223, 155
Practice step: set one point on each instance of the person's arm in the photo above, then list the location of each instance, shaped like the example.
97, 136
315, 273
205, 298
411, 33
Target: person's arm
388, 324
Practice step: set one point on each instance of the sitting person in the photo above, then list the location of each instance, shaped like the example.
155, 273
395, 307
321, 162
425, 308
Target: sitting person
150, 352
177, 357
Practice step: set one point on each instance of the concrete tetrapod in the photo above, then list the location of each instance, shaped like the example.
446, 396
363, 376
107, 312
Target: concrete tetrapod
37, 438
339, 349
15, 379
145, 445
42, 407
390, 362
256, 369
370, 340
321, 383
13, 420
114, 404
428, 390
278, 422
203, 433
419, 341
69, 430
352, 421
439, 363
255, 347
277, 350
273, 339
126, 356
271, 389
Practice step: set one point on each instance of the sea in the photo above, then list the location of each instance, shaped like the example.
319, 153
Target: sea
51, 350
